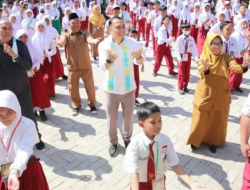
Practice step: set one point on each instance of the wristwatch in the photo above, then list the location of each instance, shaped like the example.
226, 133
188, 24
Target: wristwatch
109, 61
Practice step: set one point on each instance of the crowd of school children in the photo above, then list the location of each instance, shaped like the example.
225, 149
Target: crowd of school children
175, 27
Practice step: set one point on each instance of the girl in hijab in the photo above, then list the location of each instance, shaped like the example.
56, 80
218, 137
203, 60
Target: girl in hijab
185, 17
56, 59
241, 35
44, 42
216, 27
15, 8
174, 12
91, 6
41, 13
55, 17
40, 98
22, 170
85, 18
205, 20
96, 29
77, 11
29, 23
15, 23
212, 95
64, 5
65, 21
194, 21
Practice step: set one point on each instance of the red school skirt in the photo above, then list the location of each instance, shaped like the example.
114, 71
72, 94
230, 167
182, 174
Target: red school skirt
175, 26
201, 37
33, 178
58, 65
194, 32
39, 94
246, 177
84, 24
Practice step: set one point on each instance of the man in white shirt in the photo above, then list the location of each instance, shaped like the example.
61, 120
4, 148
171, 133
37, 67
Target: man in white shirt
163, 47
117, 55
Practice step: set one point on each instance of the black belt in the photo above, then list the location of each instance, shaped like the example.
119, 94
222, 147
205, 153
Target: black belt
33, 159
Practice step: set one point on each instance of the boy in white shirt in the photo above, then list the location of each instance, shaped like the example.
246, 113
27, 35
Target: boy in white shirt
148, 22
150, 153
141, 19
185, 48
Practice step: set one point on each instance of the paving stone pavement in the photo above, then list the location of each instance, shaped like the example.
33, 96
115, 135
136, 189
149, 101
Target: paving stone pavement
76, 154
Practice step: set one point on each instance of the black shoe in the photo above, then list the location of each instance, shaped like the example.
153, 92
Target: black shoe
193, 147
173, 73
239, 90
138, 39
144, 39
181, 91
137, 103
64, 77
43, 116
154, 74
36, 114
113, 150
212, 148
76, 111
126, 143
95, 58
146, 45
52, 97
93, 110
186, 89
40, 145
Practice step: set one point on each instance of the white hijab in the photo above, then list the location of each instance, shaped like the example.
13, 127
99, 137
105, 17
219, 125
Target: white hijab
40, 15
50, 28
27, 19
238, 27
84, 9
42, 40
17, 25
66, 17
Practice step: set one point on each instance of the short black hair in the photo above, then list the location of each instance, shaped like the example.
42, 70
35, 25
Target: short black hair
157, 2
243, 4
166, 16
146, 109
150, 3
113, 18
223, 24
10, 3
123, 4
133, 31
163, 8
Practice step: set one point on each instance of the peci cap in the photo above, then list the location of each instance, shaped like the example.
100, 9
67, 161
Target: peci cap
185, 26
73, 16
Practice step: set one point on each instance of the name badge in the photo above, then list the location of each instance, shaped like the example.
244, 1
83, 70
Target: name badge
185, 57
158, 184
5, 171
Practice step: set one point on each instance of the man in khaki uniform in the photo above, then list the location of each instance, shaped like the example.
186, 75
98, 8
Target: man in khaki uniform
78, 64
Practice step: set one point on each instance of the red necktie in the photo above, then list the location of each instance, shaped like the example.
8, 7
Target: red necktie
196, 21
229, 15
226, 44
243, 16
167, 33
186, 45
151, 165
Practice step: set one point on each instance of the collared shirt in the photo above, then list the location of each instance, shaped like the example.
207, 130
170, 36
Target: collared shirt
162, 36
215, 29
243, 41
141, 11
232, 46
134, 7
118, 65
136, 158
180, 47
246, 108
125, 16
158, 23
78, 50
152, 15
228, 14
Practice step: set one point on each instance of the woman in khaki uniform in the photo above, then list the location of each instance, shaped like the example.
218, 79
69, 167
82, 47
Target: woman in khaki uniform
96, 29
212, 95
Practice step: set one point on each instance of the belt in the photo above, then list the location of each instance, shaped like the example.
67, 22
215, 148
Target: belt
33, 159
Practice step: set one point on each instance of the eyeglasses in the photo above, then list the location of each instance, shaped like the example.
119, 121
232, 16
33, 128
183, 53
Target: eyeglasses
5, 29
214, 44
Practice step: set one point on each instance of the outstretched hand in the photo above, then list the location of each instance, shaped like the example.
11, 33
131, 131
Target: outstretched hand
137, 54
196, 186
246, 60
112, 56
96, 40
206, 64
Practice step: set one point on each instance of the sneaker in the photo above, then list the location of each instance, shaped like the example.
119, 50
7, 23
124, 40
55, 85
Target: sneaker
186, 89
76, 111
173, 73
126, 143
93, 110
154, 74
181, 91
113, 150
212, 148
43, 116
64, 77
239, 90
137, 103
40, 145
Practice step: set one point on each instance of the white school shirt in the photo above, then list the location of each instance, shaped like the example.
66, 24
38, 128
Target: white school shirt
215, 29
32, 24
184, 16
203, 17
234, 48
158, 24
194, 17
134, 7
227, 14
125, 16
153, 15
240, 16
246, 107
235, 8
146, 15
175, 11
180, 47
243, 41
119, 86
136, 157
65, 24
162, 36
79, 13
141, 11
21, 147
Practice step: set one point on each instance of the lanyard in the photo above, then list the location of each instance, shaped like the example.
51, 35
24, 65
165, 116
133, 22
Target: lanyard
13, 132
157, 157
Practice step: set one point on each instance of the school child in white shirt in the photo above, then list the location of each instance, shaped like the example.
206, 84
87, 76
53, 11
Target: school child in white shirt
185, 49
228, 12
141, 19
216, 27
148, 23
194, 21
164, 41
134, 10
174, 12
242, 13
125, 14
151, 152
185, 17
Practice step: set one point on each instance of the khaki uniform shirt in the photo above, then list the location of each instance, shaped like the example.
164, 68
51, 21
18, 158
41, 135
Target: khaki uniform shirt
77, 50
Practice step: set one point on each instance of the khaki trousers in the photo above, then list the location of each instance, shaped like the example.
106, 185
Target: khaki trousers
112, 105
73, 84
